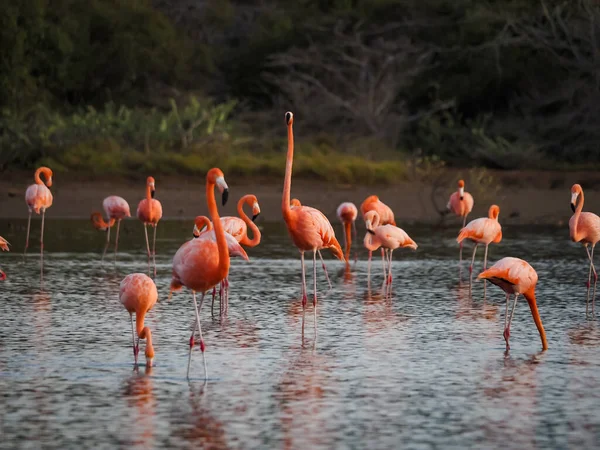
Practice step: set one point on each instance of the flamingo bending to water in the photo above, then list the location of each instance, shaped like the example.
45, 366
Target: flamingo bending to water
149, 211
4, 246
484, 230
38, 198
201, 264
308, 227
515, 276
386, 217
138, 295
461, 204
584, 227
347, 214
116, 209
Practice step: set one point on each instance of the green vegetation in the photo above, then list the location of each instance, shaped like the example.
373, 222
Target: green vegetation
377, 87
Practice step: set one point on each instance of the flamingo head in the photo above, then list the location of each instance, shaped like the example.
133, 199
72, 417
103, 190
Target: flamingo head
2, 275
461, 189
575, 191
253, 201
99, 223
151, 184
201, 223
494, 212
215, 176
371, 221
289, 118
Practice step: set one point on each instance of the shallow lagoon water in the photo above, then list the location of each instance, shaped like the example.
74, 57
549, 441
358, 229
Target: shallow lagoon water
426, 369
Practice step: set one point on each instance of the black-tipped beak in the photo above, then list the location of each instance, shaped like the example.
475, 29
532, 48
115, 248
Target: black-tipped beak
255, 216
288, 117
573, 207
152, 193
194, 235
461, 197
370, 231
225, 196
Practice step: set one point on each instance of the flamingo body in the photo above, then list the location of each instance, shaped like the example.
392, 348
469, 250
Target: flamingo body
372, 203
392, 237
116, 207
149, 211
38, 197
311, 231
484, 230
461, 202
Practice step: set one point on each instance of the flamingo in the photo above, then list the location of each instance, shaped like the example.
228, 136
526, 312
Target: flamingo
4, 246
515, 276
461, 204
308, 227
201, 264
387, 236
138, 294
38, 198
386, 217
116, 209
347, 214
149, 211
484, 230
584, 227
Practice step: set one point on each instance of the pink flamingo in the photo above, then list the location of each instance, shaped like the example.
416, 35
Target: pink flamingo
389, 237
39, 199
149, 211
515, 276
584, 227
138, 295
484, 230
461, 204
201, 264
386, 217
4, 246
116, 209
308, 227
347, 214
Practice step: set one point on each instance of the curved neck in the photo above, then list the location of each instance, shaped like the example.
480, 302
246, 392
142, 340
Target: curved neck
144, 333
530, 297
287, 183
149, 198
376, 220
579, 204
203, 221
41, 170
219, 232
255, 231
348, 231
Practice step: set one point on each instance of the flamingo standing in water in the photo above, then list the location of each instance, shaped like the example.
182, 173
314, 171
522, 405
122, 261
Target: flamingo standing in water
149, 211
201, 264
347, 214
386, 217
38, 198
515, 276
138, 295
461, 204
116, 209
308, 227
484, 230
4, 246
389, 237
584, 227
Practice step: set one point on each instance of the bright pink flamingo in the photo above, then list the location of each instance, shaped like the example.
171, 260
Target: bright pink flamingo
149, 211
347, 214
389, 237
308, 227
461, 204
4, 246
201, 264
584, 227
138, 295
515, 276
484, 230
39, 199
116, 209
386, 217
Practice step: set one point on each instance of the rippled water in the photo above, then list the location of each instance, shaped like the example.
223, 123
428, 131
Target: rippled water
426, 369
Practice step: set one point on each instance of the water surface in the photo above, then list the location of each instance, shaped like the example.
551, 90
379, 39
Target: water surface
424, 369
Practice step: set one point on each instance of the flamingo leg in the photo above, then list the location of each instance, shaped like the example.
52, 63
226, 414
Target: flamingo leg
473, 262
485, 257
315, 287
369, 268
461, 242
507, 329
304, 296
226, 294
325, 269
202, 346
154, 248
147, 243
42, 242
383, 261
506, 312
390, 274
27, 239
106, 244
135, 349
212, 305
117, 238
592, 268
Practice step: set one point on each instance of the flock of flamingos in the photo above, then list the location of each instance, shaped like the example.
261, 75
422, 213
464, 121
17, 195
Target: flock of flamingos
202, 263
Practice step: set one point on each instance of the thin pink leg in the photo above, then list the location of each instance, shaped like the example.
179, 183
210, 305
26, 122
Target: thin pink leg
27, 239
472, 262
369, 268
315, 288
42, 242
304, 296
106, 245
507, 329
212, 305
136, 349
202, 346
117, 238
154, 249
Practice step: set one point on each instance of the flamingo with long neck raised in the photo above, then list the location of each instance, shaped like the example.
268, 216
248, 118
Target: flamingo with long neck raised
584, 227
308, 227
149, 211
461, 204
201, 264
38, 198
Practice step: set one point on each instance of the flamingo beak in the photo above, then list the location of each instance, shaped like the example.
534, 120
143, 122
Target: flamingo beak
196, 232
369, 227
461, 192
225, 196
255, 216
573, 201
255, 211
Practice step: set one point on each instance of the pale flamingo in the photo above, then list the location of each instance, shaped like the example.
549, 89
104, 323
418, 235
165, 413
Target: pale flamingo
4, 246
308, 227
138, 295
38, 198
386, 217
484, 230
515, 276
389, 237
149, 211
461, 204
347, 214
116, 209
201, 264
584, 227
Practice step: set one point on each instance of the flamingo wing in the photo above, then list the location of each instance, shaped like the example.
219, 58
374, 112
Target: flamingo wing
4, 244
513, 275
116, 207
394, 237
235, 226
38, 196
234, 247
